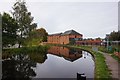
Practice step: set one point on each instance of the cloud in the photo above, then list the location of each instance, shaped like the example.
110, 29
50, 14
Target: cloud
92, 19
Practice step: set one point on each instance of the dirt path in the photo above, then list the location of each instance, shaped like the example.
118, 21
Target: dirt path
113, 66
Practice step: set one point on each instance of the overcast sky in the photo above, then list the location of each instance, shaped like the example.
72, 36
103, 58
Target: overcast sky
92, 19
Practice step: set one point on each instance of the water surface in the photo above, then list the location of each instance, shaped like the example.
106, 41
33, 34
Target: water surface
59, 62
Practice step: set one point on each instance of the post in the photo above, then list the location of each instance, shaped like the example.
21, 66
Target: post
81, 76
107, 37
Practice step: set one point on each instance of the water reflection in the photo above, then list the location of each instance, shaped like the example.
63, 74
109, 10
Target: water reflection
70, 54
65, 62
59, 62
36, 57
18, 67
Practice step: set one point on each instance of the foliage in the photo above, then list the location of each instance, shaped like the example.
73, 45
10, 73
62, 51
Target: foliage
104, 49
98, 38
39, 33
115, 57
114, 49
24, 20
32, 42
36, 37
9, 28
114, 36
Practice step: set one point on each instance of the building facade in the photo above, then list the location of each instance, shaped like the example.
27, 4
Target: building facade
68, 37
89, 42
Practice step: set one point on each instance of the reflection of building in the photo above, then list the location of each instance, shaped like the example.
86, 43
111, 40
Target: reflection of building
69, 54
65, 38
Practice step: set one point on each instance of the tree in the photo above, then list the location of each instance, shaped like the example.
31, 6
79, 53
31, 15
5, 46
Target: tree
42, 32
36, 37
24, 20
114, 36
98, 38
39, 33
9, 28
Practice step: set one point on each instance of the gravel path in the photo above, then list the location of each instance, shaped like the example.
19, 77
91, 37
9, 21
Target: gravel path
113, 66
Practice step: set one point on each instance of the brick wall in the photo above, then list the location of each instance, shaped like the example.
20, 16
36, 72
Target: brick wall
61, 39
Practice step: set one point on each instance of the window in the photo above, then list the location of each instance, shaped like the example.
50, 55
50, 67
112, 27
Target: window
75, 36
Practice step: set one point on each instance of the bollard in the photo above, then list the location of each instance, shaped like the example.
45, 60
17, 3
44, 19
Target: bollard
81, 76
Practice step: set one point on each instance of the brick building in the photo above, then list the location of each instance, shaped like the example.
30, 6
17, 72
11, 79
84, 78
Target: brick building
89, 42
70, 36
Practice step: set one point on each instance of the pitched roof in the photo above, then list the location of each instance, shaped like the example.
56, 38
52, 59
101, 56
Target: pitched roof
71, 32
55, 34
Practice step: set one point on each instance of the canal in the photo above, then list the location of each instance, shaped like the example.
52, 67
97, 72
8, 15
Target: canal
58, 62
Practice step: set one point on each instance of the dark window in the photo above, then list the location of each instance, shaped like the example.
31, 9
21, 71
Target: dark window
75, 36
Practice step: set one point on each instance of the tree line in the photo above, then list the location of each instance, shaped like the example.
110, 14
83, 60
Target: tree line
114, 36
19, 27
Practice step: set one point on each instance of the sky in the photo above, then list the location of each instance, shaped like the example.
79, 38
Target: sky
92, 18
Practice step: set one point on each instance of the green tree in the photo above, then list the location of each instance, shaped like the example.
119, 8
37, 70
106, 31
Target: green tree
98, 38
36, 37
24, 20
39, 33
114, 36
9, 28
42, 33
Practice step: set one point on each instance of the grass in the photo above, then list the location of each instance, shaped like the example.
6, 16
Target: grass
32, 42
104, 49
116, 57
101, 68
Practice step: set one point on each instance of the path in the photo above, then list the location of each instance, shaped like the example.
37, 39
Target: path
113, 65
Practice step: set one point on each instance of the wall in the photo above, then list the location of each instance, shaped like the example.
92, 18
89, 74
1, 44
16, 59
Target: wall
61, 39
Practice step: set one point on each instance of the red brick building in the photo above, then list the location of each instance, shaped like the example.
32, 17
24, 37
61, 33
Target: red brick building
89, 42
67, 37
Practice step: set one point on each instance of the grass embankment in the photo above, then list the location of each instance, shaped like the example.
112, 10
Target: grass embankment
111, 52
101, 69
32, 42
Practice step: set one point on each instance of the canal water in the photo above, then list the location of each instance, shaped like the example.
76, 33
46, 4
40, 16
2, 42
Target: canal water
58, 62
